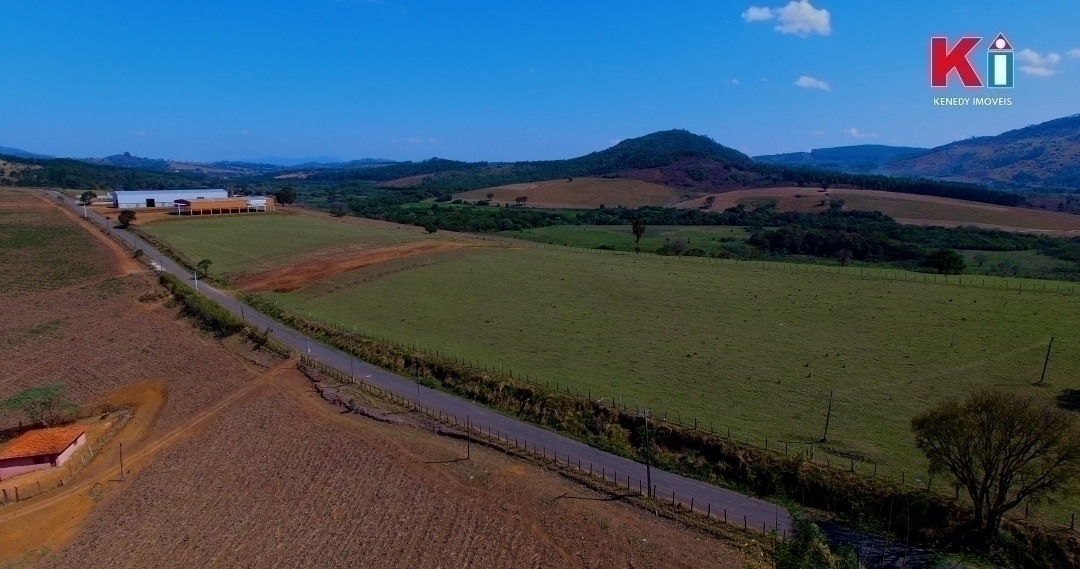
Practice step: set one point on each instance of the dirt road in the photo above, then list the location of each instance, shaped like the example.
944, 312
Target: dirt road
293, 277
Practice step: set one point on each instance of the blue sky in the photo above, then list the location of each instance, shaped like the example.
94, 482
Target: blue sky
510, 80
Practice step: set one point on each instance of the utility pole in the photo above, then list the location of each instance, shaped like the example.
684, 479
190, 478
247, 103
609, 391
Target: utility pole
1046, 362
307, 341
828, 416
648, 462
196, 273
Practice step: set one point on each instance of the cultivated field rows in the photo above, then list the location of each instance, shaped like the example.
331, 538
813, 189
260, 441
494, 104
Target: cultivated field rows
268, 486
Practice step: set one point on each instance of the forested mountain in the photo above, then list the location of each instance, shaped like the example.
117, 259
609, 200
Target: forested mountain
79, 175
1042, 155
126, 160
863, 158
647, 152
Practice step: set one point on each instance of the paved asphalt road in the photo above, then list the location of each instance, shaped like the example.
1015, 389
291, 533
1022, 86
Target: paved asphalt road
738, 509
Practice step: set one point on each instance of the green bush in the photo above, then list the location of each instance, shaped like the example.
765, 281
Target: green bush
810, 550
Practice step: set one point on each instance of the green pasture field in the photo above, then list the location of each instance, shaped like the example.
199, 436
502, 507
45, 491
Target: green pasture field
751, 346
757, 350
1025, 263
253, 243
620, 238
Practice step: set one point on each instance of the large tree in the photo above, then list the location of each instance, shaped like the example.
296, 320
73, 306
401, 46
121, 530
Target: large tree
945, 262
285, 196
126, 217
638, 227
1003, 449
46, 405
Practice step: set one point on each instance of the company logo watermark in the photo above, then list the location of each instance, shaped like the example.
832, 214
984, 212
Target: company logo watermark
948, 65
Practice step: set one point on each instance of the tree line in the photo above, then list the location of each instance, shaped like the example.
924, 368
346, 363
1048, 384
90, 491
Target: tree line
77, 175
845, 235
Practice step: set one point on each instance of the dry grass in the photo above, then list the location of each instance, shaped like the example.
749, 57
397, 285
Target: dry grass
907, 208
583, 193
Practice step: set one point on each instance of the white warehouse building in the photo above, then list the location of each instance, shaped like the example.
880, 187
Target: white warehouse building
134, 199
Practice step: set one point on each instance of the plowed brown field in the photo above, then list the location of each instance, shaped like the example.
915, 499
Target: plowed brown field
283, 480
89, 331
293, 277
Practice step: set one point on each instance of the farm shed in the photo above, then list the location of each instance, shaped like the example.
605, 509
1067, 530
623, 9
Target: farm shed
40, 449
224, 205
136, 199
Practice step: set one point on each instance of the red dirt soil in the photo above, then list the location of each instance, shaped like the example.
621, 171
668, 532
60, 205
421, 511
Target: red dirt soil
291, 278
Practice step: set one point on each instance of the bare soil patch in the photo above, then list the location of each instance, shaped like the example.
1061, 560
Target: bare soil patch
291, 278
285, 480
583, 193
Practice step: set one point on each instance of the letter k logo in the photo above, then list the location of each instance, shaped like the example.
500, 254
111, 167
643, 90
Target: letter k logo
943, 61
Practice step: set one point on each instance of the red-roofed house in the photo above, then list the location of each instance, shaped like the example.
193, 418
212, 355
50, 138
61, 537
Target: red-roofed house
40, 449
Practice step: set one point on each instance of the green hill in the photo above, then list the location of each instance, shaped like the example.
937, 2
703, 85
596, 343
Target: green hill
655, 150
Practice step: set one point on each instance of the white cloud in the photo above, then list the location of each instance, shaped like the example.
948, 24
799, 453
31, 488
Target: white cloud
807, 82
245, 132
756, 14
1074, 53
416, 141
1037, 64
854, 132
733, 82
799, 17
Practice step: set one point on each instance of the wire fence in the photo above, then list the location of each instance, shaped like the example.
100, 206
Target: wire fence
1017, 284
10, 494
624, 485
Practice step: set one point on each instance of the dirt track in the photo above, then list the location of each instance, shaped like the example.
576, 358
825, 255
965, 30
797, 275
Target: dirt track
291, 278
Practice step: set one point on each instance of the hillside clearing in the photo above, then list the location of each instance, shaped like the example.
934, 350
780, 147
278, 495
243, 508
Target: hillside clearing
906, 208
582, 193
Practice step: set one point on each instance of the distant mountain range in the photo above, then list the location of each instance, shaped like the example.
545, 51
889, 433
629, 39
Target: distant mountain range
290, 162
861, 158
1045, 156
6, 151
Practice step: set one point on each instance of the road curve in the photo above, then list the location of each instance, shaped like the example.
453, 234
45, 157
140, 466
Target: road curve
722, 503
